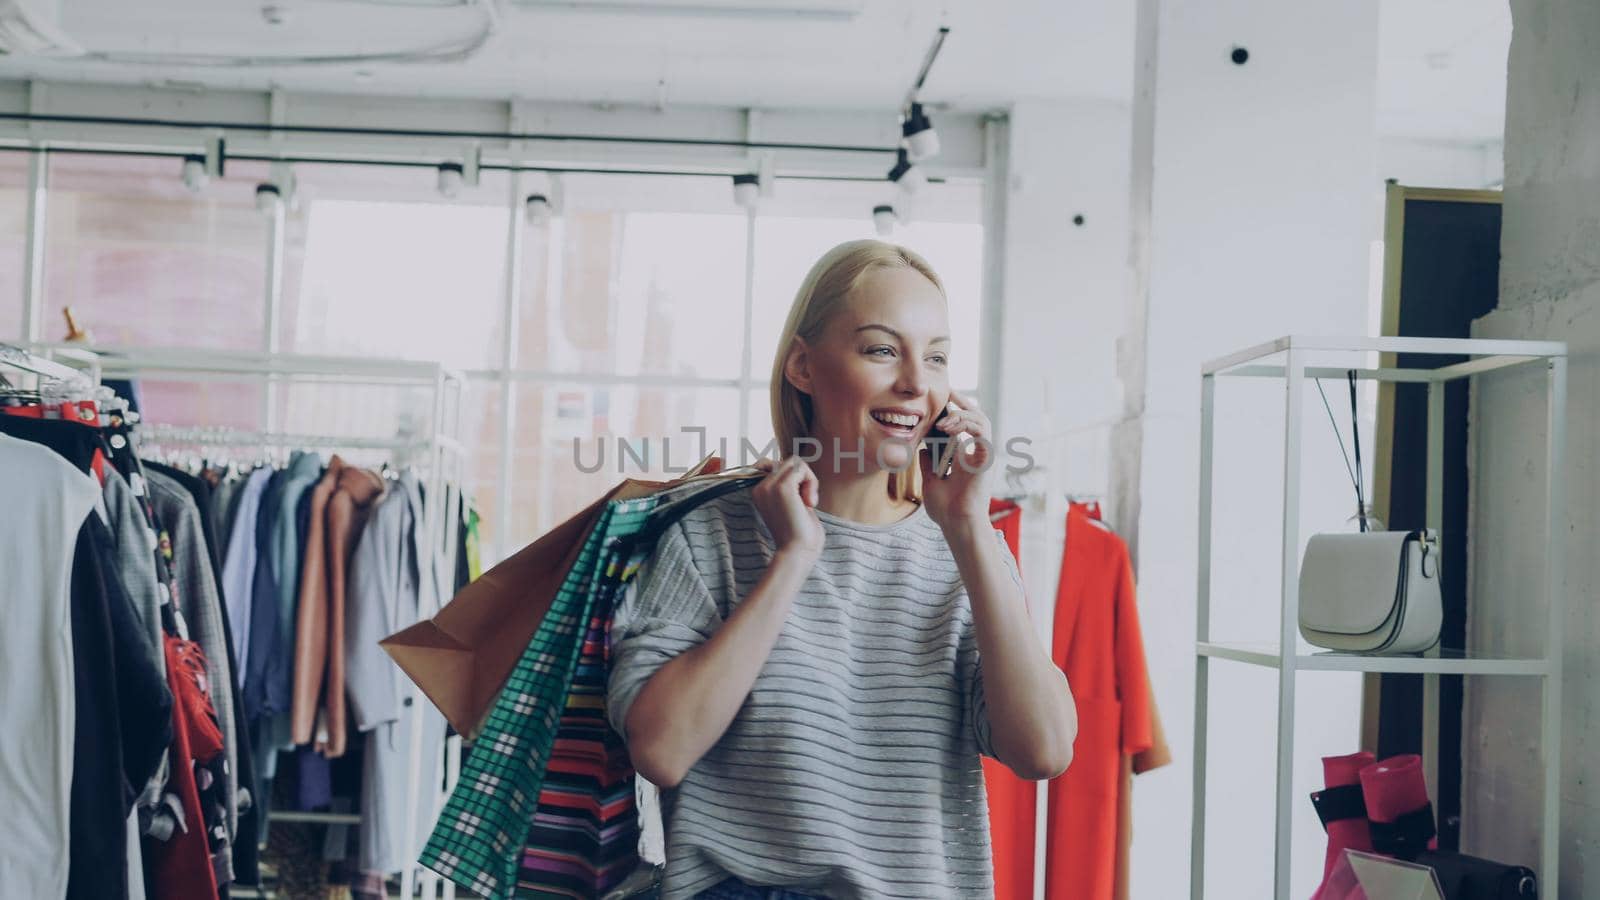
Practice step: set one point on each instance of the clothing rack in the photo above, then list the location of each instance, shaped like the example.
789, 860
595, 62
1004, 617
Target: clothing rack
48, 369
439, 451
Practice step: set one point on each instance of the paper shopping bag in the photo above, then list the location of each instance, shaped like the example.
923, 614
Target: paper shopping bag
462, 656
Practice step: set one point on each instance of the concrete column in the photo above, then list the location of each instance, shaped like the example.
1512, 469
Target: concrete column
1549, 290
1260, 178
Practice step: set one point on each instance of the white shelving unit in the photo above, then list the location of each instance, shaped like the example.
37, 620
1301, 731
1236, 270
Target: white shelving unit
1296, 352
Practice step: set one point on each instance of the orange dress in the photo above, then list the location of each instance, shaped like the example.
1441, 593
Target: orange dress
1097, 642
1011, 800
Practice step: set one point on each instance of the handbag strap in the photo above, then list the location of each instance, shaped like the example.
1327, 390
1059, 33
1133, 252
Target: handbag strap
1355, 439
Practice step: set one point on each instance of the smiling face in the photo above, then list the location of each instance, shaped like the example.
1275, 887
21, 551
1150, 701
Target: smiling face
878, 375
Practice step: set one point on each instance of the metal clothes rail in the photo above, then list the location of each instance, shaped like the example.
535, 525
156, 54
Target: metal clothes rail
439, 451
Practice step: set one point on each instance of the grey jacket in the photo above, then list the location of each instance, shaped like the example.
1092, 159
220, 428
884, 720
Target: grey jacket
392, 576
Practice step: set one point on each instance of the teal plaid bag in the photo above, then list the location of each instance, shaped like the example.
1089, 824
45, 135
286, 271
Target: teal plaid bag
478, 840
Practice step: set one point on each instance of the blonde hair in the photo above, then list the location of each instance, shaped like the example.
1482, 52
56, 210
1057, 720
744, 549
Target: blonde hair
823, 292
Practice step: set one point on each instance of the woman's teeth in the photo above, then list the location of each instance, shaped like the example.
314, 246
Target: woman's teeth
896, 420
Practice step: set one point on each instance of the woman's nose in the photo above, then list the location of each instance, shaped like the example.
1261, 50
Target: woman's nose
913, 378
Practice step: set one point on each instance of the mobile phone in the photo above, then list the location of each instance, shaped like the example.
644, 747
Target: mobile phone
941, 445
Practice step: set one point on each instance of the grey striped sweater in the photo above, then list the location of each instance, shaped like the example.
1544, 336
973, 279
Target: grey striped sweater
852, 770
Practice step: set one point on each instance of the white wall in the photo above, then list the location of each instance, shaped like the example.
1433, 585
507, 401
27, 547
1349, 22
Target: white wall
1418, 162
1262, 179
1065, 290
1549, 289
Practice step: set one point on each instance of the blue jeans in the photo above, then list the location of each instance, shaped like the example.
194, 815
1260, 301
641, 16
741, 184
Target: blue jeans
734, 889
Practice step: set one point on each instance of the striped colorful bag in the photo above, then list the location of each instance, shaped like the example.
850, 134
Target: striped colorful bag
544, 804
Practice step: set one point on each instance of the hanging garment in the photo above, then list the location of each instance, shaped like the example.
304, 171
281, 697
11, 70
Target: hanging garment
182, 866
144, 702
242, 774
480, 837
238, 570
1012, 801
311, 629
285, 547
123, 721
1097, 642
390, 583
46, 501
348, 511
135, 566
202, 609
101, 800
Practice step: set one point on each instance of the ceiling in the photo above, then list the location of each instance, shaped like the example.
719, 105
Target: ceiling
1441, 62
996, 52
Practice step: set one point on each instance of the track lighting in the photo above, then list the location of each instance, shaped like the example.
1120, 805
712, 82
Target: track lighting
908, 178
195, 178
920, 137
747, 190
450, 179
884, 219
268, 199
537, 209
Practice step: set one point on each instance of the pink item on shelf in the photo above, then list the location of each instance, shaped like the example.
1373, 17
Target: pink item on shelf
1398, 810
1342, 810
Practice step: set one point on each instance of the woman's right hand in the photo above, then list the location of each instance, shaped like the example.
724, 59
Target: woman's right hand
787, 500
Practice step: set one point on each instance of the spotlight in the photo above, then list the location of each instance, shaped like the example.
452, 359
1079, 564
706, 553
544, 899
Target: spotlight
194, 174
919, 134
537, 209
268, 198
747, 190
450, 179
884, 219
907, 177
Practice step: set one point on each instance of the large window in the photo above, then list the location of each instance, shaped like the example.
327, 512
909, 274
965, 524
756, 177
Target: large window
378, 263
630, 314
13, 239
144, 262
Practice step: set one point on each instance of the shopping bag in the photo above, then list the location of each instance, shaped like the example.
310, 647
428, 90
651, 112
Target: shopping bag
462, 656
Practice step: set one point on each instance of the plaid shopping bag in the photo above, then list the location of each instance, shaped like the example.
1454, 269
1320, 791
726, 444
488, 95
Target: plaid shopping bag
489, 832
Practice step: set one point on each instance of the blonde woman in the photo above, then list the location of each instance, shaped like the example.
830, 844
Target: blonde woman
809, 668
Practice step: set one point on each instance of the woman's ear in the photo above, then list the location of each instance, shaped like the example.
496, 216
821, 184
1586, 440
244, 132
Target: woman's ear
797, 365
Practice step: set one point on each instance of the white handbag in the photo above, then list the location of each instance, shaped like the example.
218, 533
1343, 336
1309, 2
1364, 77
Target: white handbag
1371, 593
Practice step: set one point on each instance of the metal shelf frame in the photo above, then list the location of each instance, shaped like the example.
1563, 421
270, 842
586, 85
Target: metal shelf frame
1294, 369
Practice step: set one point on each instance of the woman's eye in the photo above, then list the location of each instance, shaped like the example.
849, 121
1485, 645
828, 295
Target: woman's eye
940, 359
884, 348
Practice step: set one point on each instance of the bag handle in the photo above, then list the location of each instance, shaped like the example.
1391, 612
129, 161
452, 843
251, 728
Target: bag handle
1355, 440
1355, 435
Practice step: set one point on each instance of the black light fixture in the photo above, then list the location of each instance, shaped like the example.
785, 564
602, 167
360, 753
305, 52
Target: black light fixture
747, 189
268, 198
451, 177
195, 178
907, 177
884, 219
538, 210
918, 132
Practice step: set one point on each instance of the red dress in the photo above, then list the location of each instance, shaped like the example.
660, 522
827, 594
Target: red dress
1098, 644
180, 867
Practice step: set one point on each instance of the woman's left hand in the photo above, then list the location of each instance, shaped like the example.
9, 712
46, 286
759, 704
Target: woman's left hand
960, 495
